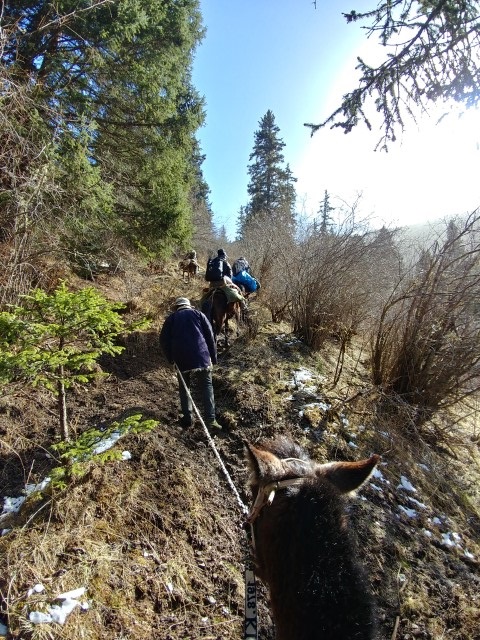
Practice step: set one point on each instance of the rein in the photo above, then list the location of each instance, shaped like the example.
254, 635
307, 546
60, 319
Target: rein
250, 620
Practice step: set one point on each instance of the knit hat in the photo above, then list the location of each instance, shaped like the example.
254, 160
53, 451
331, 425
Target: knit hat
221, 253
182, 302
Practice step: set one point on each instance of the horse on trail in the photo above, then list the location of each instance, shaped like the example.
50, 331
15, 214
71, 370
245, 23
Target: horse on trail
219, 311
303, 549
189, 267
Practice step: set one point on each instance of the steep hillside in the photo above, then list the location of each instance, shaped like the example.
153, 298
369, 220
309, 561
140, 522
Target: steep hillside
157, 540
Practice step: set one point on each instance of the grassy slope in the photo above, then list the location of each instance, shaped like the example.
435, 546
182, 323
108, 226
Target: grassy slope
158, 542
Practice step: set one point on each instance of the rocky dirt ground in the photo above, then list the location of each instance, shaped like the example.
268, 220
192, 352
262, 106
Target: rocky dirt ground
157, 540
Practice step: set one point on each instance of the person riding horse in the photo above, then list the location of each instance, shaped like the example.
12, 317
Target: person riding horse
219, 276
189, 265
242, 276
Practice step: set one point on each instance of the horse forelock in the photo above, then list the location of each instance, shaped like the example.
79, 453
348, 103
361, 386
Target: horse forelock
280, 459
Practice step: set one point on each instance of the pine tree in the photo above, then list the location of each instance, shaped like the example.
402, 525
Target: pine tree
119, 74
432, 56
324, 211
241, 222
271, 187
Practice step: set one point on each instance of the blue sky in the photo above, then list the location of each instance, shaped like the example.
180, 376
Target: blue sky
298, 61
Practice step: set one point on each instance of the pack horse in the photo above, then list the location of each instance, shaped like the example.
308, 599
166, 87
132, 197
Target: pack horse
304, 550
219, 311
189, 267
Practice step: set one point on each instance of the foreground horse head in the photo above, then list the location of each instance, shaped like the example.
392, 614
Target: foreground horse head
303, 549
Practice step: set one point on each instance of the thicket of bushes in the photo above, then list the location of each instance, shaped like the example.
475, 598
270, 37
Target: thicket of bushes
416, 305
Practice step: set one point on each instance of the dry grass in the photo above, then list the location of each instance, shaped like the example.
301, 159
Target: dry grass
157, 541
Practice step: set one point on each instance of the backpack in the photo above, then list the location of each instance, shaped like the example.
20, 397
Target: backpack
214, 269
239, 266
246, 281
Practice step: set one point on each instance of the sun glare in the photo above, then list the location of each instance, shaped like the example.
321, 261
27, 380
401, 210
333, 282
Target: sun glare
432, 172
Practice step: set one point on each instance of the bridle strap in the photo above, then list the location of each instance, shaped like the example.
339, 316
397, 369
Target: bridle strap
266, 494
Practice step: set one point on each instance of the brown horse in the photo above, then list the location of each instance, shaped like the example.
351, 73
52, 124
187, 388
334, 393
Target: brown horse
303, 548
219, 311
189, 267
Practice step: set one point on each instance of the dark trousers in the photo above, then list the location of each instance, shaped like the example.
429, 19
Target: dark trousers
202, 379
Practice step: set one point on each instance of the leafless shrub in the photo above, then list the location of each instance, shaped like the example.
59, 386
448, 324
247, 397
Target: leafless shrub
425, 344
337, 280
271, 252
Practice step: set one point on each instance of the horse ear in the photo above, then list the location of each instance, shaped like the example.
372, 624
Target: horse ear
348, 476
262, 464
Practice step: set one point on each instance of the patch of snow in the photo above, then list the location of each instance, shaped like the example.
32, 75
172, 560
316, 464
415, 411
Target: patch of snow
417, 503
379, 475
30, 488
427, 532
107, 443
288, 340
11, 505
72, 595
3, 629
406, 484
38, 588
410, 513
126, 455
352, 445
61, 612
302, 375
57, 612
324, 406
38, 617
446, 539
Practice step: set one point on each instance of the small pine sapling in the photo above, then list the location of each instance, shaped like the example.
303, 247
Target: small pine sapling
54, 340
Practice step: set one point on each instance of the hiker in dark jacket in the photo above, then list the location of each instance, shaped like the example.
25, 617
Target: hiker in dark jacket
187, 340
217, 269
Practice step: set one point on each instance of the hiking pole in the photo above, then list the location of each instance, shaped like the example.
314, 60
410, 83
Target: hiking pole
250, 623
243, 507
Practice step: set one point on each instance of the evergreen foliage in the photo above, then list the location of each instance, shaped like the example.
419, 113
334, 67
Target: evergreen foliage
432, 55
324, 211
271, 187
110, 84
54, 340
88, 448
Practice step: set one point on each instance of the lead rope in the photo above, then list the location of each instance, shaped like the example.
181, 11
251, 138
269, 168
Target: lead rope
250, 622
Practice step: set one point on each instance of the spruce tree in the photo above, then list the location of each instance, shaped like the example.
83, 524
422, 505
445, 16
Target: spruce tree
431, 56
117, 75
271, 187
324, 211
